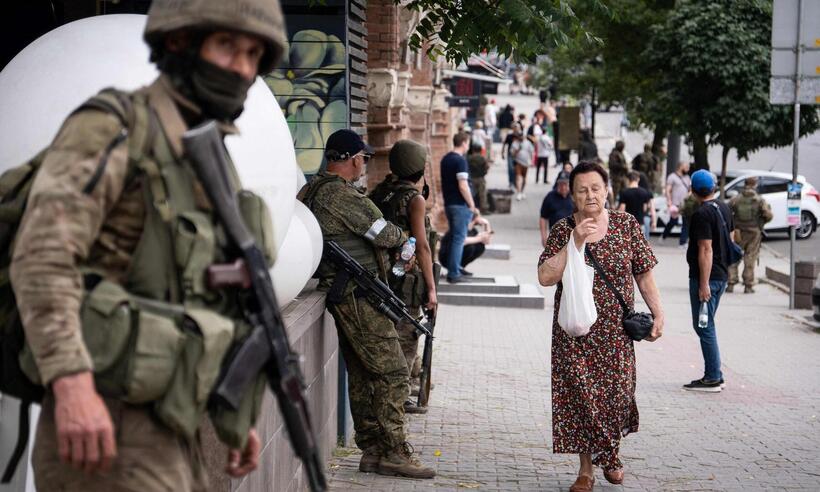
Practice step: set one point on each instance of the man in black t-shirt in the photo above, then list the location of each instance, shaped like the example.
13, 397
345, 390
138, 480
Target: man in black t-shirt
556, 205
707, 256
638, 202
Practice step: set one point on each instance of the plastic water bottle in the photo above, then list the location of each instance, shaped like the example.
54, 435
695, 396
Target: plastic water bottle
407, 252
703, 318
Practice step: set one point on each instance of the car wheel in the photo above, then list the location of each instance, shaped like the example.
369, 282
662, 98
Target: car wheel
807, 225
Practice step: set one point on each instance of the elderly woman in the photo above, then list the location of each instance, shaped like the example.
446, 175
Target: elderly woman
593, 376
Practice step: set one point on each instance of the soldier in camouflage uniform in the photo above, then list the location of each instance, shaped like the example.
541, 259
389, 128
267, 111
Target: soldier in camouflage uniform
87, 244
750, 212
649, 164
402, 203
617, 171
376, 367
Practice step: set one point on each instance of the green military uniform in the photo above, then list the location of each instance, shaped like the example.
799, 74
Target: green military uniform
108, 273
750, 212
617, 173
648, 164
393, 197
478, 171
377, 372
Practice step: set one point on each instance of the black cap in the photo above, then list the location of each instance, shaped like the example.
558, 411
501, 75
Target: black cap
344, 144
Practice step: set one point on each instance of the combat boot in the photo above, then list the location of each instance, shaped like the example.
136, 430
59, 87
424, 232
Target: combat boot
730, 288
370, 460
748, 290
399, 462
411, 407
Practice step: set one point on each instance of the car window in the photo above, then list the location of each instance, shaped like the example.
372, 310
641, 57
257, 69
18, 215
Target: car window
772, 185
736, 187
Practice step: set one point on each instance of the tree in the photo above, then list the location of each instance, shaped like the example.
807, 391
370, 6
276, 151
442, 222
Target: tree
524, 29
713, 57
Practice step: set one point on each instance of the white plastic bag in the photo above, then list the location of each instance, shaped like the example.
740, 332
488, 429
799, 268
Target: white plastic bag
577, 312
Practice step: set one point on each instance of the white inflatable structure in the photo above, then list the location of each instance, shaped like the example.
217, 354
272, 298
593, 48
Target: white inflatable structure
61, 69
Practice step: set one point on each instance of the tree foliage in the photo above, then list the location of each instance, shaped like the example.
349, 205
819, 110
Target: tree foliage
522, 29
712, 61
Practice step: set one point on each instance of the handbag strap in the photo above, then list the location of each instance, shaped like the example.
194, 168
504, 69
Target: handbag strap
600, 271
605, 278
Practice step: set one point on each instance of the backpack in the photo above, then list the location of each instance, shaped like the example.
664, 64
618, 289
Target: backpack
15, 186
746, 209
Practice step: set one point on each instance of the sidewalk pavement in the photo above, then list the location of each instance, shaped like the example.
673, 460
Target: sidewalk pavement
489, 423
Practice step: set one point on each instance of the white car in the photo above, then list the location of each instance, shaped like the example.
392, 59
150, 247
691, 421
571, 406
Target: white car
771, 186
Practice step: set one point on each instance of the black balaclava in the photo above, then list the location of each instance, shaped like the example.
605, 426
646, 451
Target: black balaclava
219, 93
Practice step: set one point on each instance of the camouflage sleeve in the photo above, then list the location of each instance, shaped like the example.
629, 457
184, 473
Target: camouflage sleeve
61, 222
364, 218
766, 211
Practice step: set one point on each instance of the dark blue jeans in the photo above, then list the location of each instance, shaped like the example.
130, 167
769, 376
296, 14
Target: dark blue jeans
458, 217
511, 169
708, 335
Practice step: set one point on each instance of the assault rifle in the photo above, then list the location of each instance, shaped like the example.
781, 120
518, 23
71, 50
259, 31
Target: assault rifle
267, 347
377, 293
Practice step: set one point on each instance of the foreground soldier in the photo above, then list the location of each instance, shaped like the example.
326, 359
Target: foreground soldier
750, 212
117, 221
376, 366
402, 203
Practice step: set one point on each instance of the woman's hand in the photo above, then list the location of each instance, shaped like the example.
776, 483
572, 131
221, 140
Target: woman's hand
583, 230
657, 330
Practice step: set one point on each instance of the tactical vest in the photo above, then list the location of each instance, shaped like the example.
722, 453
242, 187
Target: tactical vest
747, 210
359, 248
159, 337
393, 198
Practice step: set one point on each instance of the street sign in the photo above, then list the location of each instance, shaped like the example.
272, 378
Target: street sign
793, 198
790, 18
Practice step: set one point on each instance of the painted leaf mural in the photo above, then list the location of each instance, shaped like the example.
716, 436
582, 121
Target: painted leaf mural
310, 86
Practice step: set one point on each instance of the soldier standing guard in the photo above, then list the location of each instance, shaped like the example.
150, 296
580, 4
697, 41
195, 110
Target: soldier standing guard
376, 367
118, 221
617, 171
402, 203
751, 213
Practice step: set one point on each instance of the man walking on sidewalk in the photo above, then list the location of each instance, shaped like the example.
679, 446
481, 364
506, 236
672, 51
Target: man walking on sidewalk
458, 202
708, 259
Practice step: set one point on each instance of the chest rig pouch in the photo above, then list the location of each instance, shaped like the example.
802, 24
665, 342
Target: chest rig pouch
159, 338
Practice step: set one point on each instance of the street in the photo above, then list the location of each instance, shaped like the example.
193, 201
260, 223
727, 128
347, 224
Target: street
489, 423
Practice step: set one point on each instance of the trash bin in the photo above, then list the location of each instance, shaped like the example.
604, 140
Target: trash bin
500, 201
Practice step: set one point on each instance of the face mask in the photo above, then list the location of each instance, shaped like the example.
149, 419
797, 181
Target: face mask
220, 93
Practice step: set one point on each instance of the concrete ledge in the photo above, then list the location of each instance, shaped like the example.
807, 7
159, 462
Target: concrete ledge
502, 284
529, 297
497, 252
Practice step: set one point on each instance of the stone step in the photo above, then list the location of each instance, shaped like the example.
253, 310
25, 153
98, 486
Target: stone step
501, 284
529, 297
497, 252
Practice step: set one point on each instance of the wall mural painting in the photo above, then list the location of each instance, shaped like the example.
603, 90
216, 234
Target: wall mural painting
310, 85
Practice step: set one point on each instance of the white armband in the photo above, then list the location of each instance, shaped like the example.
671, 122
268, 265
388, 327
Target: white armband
375, 229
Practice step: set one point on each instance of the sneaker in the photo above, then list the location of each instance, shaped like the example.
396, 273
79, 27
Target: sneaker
466, 273
722, 383
704, 386
455, 280
370, 460
518, 196
399, 462
411, 407
523, 196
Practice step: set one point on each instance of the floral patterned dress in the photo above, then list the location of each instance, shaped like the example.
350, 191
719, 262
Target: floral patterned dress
593, 376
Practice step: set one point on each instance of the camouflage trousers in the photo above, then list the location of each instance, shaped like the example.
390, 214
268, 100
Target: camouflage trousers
149, 456
480, 187
618, 184
377, 373
749, 240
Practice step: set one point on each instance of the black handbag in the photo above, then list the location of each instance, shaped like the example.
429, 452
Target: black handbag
637, 325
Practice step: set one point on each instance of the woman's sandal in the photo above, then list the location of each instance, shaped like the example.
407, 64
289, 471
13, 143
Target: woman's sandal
584, 483
615, 476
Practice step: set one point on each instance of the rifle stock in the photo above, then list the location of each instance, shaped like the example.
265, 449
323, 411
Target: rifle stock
267, 347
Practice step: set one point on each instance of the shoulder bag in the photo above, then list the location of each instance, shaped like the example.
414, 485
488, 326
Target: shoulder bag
637, 325
732, 248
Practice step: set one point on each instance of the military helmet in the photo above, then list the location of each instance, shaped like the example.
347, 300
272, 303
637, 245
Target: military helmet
407, 158
262, 18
